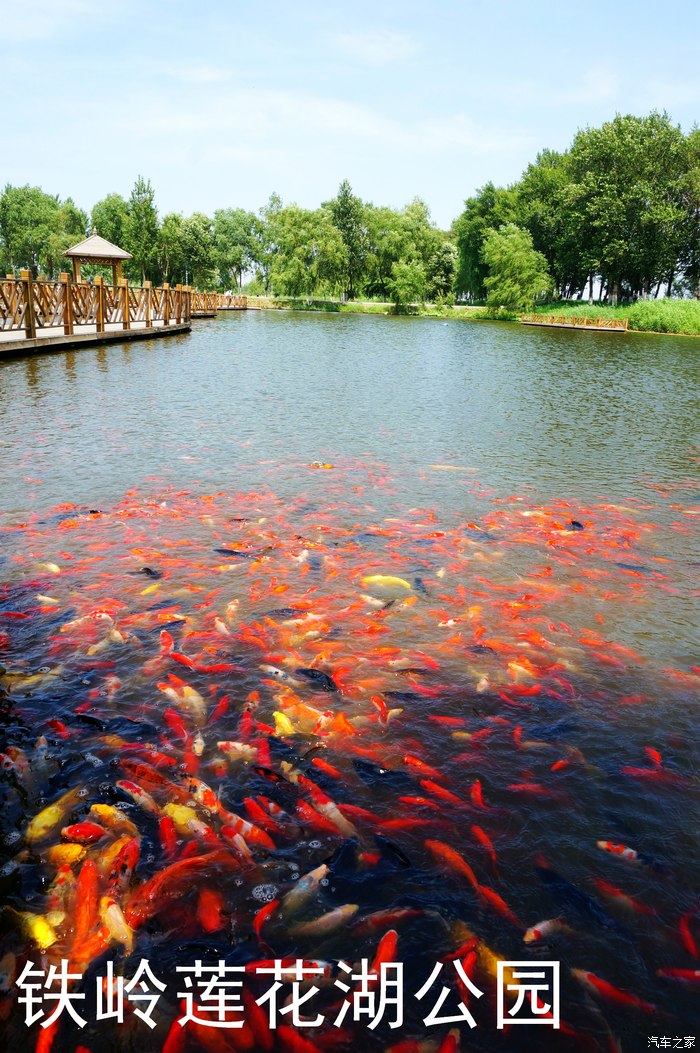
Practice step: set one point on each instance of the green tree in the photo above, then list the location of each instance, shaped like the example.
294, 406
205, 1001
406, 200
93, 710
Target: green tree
689, 256
109, 218
517, 273
171, 249
387, 242
407, 284
310, 255
626, 195
547, 208
440, 271
263, 244
348, 215
141, 229
198, 249
35, 228
234, 244
490, 208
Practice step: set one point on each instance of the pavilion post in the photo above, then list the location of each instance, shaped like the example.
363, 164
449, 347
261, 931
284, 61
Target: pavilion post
25, 278
148, 292
124, 296
178, 304
166, 303
67, 303
100, 303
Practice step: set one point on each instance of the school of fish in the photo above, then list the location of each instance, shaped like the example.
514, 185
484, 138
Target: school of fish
247, 728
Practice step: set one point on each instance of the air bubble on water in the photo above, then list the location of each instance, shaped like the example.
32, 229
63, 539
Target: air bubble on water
314, 844
12, 837
83, 792
264, 893
324, 881
95, 761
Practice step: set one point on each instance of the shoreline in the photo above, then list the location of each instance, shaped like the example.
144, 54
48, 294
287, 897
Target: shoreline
460, 312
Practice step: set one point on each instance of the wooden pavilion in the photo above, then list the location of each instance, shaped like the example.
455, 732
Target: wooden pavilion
98, 250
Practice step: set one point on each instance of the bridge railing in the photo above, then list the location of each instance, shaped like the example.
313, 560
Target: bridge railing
213, 301
28, 306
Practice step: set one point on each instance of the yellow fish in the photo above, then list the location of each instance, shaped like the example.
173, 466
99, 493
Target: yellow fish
52, 816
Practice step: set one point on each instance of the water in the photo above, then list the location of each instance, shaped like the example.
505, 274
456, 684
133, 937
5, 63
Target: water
536, 491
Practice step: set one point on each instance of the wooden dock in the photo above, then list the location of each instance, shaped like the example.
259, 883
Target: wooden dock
572, 321
46, 315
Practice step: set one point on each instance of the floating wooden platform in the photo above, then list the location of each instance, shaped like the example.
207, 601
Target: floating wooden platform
59, 342
571, 321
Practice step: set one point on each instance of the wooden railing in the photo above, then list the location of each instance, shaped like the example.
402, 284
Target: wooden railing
212, 301
575, 321
27, 305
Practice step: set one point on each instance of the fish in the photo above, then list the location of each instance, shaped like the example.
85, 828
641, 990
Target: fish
602, 989
45, 822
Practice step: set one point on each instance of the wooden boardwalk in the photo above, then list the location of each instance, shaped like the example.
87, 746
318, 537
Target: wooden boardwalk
46, 315
573, 321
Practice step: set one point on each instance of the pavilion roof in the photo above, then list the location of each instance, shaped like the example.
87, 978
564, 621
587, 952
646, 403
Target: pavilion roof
98, 249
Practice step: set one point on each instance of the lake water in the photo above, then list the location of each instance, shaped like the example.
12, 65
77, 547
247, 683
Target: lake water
483, 536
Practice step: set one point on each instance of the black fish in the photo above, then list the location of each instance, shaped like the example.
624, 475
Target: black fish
483, 535
391, 852
575, 525
372, 774
319, 680
149, 572
480, 648
639, 568
419, 586
236, 552
284, 612
406, 696
573, 897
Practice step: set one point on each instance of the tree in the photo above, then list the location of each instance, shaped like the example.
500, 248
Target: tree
141, 229
171, 248
263, 245
489, 209
348, 216
198, 249
234, 244
626, 195
109, 218
689, 260
310, 255
546, 207
35, 228
517, 273
440, 272
407, 284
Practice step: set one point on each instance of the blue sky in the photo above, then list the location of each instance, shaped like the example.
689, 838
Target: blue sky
220, 104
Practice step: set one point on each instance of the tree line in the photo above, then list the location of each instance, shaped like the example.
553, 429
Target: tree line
619, 211
343, 249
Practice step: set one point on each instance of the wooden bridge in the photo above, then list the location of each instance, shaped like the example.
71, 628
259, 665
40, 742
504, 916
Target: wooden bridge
47, 314
575, 321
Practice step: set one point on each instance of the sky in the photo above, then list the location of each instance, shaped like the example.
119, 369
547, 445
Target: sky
221, 104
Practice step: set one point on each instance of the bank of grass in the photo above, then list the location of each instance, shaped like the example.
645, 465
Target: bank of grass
681, 317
